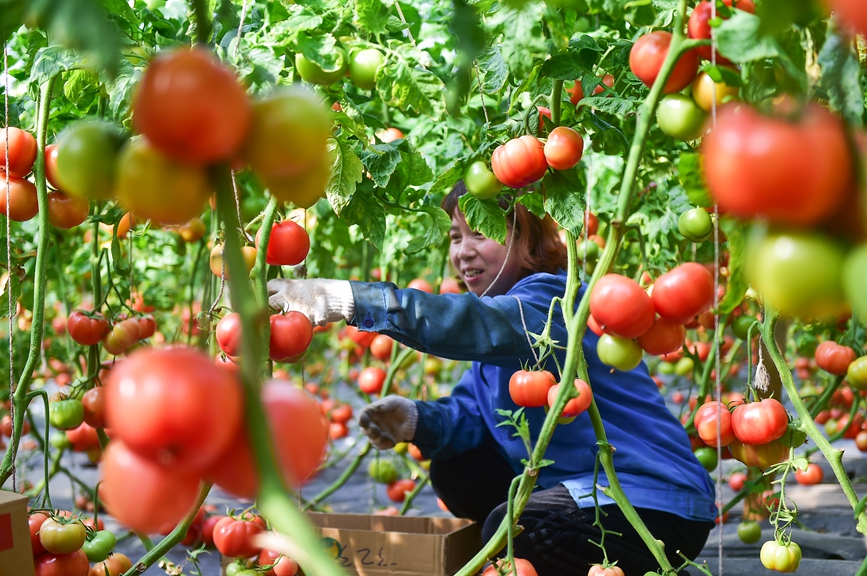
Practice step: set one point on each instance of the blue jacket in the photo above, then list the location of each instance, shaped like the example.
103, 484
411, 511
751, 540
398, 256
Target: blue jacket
653, 459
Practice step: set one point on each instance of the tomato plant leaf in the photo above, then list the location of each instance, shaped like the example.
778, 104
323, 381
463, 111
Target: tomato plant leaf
121, 11
522, 41
51, 61
380, 160
372, 16
120, 89
484, 216
841, 77
739, 39
432, 235
737, 284
407, 87
10, 287
346, 172
564, 198
319, 49
534, 203
444, 183
301, 18
611, 105
690, 175
76, 82
368, 214
494, 70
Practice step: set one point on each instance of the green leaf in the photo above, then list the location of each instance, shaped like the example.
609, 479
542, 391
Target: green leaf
76, 82
640, 12
10, 287
371, 16
346, 172
689, 173
434, 234
119, 263
368, 214
120, 89
737, 286
485, 217
121, 9
494, 70
522, 42
408, 87
564, 198
841, 77
444, 183
51, 61
563, 67
380, 160
302, 18
534, 203
319, 48
739, 39
611, 105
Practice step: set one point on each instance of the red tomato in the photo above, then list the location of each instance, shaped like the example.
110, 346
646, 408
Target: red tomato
192, 107
575, 406
291, 334
127, 332
389, 135
337, 430
342, 413
851, 430
759, 422
737, 481
663, 337
699, 29
789, 172
234, 538
363, 339
594, 325
544, 113
575, 91
94, 407
599, 570
35, 520
371, 379
381, 346
228, 334
157, 496
51, 166
591, 224
524, 568
74, 564
398, 490
87, 328
530, 388
762, 456
834, 358
22, 151
812, 475
450, 286
519, 162
288, 244
66, 212
621, 307
852, 13
147, 325
683, 292
174, 406
564, 148
83, 438
115, 565
861, 440
646, 58
283, 565
713, 422
421, 284
23, 204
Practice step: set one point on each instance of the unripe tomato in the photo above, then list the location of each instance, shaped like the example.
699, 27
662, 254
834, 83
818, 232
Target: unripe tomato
857, 374
621, 353
780, 557
621, 307
363, 66
481, 182
192, 231
87, 153
762, 456
23, 203
21, 152
66, 414
649, 52
749, 532
699, 28
707, 458
855, 278
288, 244
191, 107
564, 148
696, 225
216, 259
706, 92
681, 118
530, 388
305, 189
66, 212
519, 162
312, 72
834, 358
61, 537
382, 471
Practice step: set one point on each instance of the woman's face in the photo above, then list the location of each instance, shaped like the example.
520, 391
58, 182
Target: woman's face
478, 260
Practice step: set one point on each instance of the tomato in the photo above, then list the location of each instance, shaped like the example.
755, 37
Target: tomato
173, 406
83, 438
780, 557
191, 107
381, 347
398, 489
621, 353
711, 417
303, 190
158, 188
216, 260
834, 358
66, 415
646, 58
798, 273
51, 166
282, 564
60, 537
574, 406
147, 326
696, 225
861, 440
99, 546
87, 328
621, 307
371, 379
35, 521
529, 388
759, 422
707, 458
291, 334
741, 326
855, 278
87, 153
288, 134
852, 13
522, 567
706, 92
699, 28
115, 565
93, 402
519, 162
127, 332
663, 337
575, 91
21, 152
312, 72
66, 212
192, 231
564, 148
481, 182
857, 374
789, 172
208, 525
363, 339
288, 244
233, 538
73, 564
363, 67
599, 570
389, 135
382, 471
681, 118
737, 481
683, 292
228, 334
299, 439
762, 456
812, 475
420, 284
749, 532
23, 204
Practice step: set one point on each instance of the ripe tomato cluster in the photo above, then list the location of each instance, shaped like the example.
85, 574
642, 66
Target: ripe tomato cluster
64, 544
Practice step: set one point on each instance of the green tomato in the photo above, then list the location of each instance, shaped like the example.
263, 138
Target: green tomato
99, 546
155, 4
831, 427
313, 73
695, 225
798, 273
855, 279
382, 471
665, 368
363, 67
66, 414
237, 569
780, 557
741, 326
749, 532
87, 155
680, 117
481, 182
401, 448
684, 367
60, 441
708, 458
857, 373
621, 353
588, 251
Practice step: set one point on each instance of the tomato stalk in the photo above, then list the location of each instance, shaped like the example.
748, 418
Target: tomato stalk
410, 496
19, 397
832, 455
556, 101
347, 474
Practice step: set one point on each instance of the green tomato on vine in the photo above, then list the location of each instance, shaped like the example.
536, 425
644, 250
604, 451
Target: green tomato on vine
749, 532
363, 66
313, 73
481, 182
680, 117
695, 225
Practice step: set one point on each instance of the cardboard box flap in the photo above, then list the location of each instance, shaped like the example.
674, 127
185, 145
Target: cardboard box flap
404, 524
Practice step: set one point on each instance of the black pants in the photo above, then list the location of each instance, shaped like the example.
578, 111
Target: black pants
556, 533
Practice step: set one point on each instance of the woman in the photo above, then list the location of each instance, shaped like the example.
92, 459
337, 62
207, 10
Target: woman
473, 460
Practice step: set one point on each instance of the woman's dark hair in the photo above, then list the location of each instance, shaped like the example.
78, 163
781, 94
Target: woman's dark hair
537, 243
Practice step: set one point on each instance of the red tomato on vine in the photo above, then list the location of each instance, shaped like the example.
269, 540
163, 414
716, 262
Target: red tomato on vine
21, 152
834, 358
699, 28
620, 307
529, 388
234, 537
288, 244
291, 334
519, 162
649, 52
761, 422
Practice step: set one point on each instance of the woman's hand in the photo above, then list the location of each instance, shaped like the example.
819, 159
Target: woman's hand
388, 421
322, 301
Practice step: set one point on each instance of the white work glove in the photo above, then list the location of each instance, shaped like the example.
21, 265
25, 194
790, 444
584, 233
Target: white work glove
388, 421
322, 301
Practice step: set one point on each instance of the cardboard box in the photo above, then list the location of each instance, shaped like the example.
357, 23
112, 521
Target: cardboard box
16, 556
